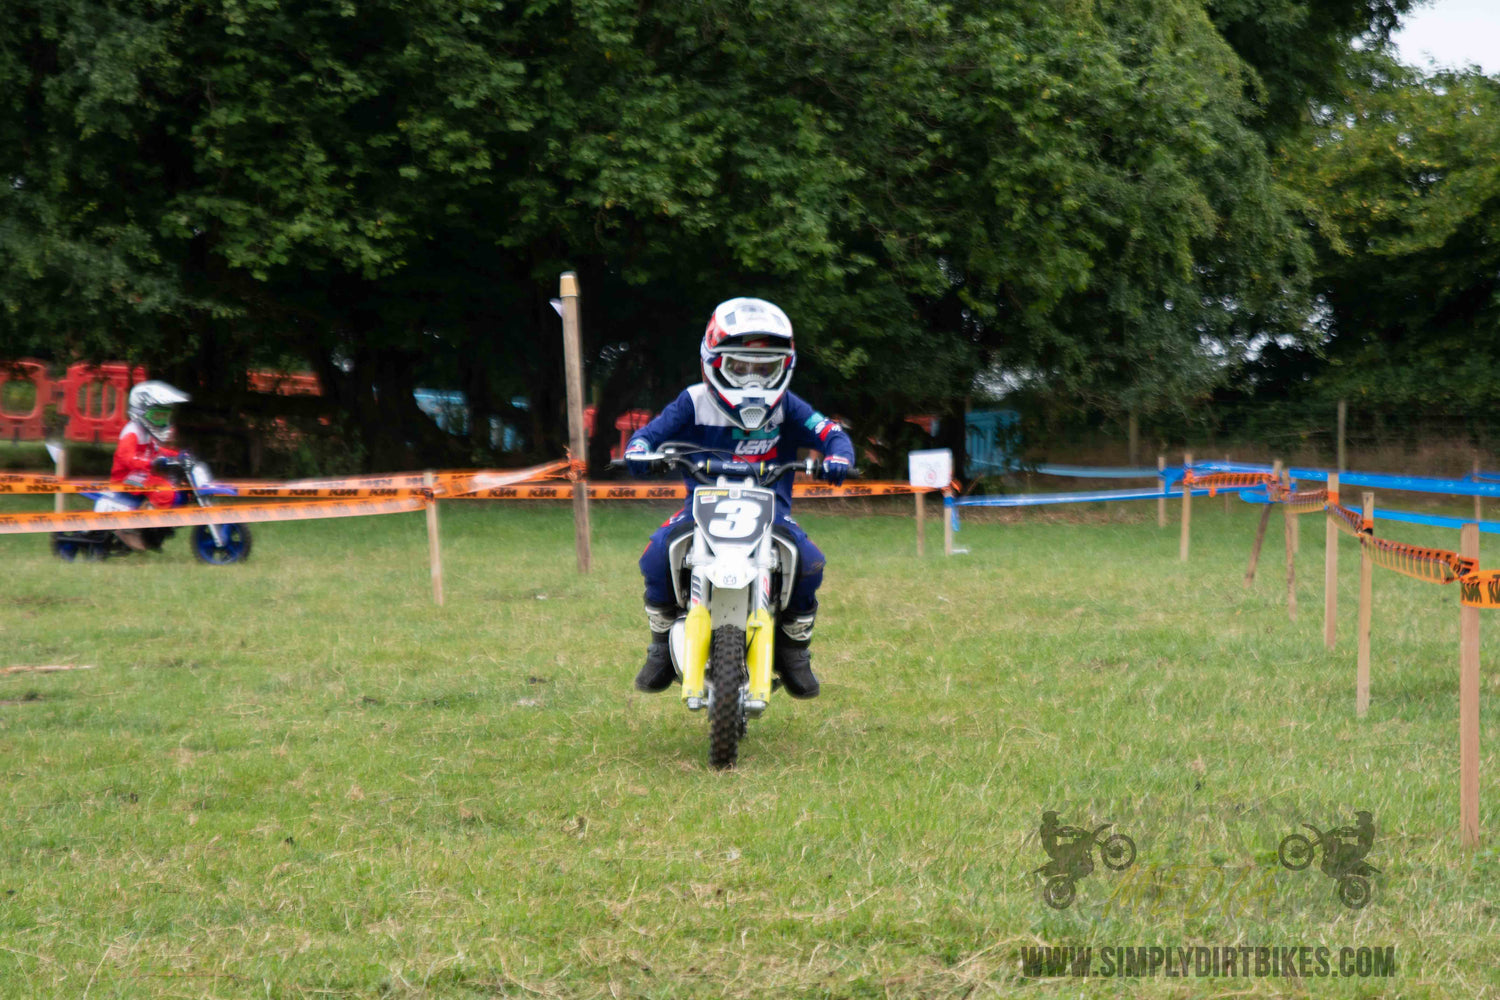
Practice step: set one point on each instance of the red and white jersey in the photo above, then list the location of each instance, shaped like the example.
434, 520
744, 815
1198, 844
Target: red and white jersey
134, 454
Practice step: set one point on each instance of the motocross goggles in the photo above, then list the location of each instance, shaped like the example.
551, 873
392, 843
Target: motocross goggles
757, 369
159, 417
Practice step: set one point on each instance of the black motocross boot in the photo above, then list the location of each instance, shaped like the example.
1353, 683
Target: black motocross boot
658, 673
793, 659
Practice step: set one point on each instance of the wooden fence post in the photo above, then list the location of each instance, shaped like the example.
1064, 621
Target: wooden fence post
921, 522
1260, 530
573, 361
1478, 501
1468, 704
1296, 525
947, 523
1289, 528
1366, 598
434, 543
1187, 508
60, 501
1226, 492
1161, 502
1331, 566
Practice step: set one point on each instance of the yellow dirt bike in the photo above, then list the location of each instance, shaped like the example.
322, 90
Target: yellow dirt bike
732, 576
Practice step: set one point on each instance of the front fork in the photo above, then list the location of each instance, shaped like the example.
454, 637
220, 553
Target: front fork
760, 635
760, 645
198, 476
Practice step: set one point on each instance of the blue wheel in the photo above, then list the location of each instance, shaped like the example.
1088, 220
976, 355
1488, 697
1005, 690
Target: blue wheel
71, 547
236, 544
65, 548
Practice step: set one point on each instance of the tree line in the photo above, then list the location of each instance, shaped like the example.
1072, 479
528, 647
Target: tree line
1124, 205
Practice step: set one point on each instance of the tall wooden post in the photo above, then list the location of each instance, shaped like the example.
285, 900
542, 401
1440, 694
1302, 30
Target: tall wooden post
1468, 704
1289, 527
1343, 413
578, 442
434, 543
1161, 502
1226, 492
1260, 530
947, 523
1295, 523
1478, 501
60, 501
1187, 508
921, 522
1366, 600
1331, 566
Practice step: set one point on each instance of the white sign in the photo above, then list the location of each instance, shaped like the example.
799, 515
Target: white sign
932, 469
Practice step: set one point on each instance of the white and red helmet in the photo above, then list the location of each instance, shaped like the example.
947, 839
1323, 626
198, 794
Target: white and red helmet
150, 405
748, 357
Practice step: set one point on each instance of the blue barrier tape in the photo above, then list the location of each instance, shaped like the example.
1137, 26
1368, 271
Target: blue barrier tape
1038, 499
1466, 487
1095, 471
1436, 520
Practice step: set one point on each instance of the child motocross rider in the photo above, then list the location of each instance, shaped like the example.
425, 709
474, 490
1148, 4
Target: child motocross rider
742, 409
144, 457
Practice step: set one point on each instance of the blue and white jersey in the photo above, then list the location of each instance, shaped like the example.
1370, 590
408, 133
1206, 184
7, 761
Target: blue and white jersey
693, 416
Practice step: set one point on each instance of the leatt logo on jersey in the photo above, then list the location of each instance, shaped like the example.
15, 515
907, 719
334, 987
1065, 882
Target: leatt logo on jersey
763, 446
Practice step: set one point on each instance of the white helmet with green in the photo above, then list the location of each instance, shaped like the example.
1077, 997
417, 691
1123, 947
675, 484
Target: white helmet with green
150, 405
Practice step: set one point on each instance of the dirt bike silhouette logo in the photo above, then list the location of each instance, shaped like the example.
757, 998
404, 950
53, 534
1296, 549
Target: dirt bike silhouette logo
1071, 849
1344, 851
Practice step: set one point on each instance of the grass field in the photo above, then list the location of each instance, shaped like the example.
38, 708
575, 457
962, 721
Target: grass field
298, 778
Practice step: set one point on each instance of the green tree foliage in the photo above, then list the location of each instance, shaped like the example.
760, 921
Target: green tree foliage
386, 190
1404, 181
1300, 49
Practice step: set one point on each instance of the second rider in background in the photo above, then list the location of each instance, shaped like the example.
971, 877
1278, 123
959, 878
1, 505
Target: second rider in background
742, 410
145, 461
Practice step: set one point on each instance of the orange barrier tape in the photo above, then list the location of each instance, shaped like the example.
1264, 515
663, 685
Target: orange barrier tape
1481, 589
20, 524
450, 483
1428, 565
329, 492
1351, 522
678, 491
1305, 501
32, 483
1415, 561
1229, 480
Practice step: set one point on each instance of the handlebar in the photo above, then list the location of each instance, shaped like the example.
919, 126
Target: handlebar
704, 469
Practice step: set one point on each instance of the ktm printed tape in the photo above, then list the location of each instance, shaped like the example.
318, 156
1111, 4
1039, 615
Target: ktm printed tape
450, 483
1481, 589
20, 524
678, 491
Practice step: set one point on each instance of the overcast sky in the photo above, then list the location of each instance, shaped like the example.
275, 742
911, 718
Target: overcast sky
1454, 32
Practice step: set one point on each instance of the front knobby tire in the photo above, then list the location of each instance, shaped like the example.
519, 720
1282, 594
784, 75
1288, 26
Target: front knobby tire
727, 676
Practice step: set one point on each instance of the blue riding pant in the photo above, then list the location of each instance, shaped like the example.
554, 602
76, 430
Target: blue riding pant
658, 573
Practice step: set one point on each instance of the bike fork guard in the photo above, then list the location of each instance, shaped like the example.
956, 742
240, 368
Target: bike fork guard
762, 636
699, 630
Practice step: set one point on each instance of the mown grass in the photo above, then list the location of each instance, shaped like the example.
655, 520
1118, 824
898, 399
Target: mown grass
298, 778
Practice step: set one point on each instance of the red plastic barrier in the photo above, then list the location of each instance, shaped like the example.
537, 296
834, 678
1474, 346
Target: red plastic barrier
94, 398
28, 425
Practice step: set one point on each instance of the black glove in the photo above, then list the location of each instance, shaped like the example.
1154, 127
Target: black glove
167, 468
